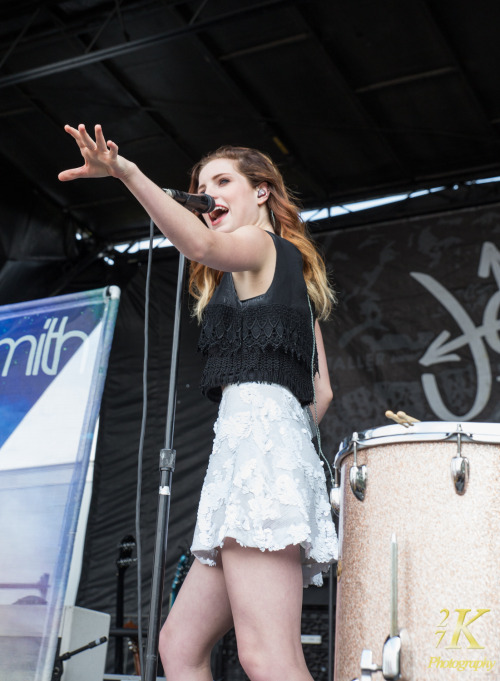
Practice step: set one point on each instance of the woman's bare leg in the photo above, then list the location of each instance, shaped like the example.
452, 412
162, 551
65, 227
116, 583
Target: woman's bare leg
200, 616
265, 592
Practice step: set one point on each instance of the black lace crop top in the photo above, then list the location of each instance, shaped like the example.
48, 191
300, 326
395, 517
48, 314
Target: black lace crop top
268, 338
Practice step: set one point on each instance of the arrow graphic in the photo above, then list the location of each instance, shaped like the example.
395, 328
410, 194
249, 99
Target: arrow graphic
442, 350
436, 352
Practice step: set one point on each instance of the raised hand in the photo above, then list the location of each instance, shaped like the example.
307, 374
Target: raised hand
101, 157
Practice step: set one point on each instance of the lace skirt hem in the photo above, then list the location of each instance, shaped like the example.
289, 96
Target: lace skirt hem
312, 572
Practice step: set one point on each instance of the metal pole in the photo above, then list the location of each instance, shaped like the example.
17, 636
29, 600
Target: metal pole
167, 465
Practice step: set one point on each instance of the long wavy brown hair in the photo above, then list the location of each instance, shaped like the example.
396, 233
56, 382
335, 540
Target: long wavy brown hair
285, 218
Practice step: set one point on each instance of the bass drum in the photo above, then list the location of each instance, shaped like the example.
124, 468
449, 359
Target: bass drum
436, 487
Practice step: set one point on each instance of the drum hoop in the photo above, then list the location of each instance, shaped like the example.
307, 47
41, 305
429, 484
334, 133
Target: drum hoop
425, 431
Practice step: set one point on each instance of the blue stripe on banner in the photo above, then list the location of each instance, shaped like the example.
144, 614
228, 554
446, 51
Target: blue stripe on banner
33, 351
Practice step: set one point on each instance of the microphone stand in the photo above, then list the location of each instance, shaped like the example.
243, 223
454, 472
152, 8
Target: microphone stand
58, 664
167, 466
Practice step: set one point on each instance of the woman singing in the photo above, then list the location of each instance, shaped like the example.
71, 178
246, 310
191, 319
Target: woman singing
264, 528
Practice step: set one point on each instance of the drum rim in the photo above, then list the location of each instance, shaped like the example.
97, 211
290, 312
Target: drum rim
431, 431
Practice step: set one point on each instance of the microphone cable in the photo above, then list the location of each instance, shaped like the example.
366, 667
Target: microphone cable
140, 454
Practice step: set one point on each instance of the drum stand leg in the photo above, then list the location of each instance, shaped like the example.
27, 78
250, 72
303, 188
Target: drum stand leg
391, 661
391, 654
367, 666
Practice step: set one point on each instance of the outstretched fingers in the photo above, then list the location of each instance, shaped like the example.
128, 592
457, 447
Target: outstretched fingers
99, 139
86, 138
105, 146
70, 174
74, 133
101, 156
73, 173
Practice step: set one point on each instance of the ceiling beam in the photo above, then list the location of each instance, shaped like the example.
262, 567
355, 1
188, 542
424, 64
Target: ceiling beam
134, 45
403, 80
350, 94
257, 112
466, 84
449, 200
20, 36
291, 159
76, 22
164, 128
289, 40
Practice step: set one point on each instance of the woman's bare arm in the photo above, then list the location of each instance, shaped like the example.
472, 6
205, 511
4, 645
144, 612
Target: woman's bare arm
247, 248
322, 386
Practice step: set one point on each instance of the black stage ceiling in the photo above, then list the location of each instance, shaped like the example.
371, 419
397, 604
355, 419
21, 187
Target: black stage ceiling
353, 98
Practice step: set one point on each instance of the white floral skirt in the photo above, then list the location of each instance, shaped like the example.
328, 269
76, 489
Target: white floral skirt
265, 484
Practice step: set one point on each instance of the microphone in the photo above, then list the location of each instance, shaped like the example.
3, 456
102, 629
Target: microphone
200, 203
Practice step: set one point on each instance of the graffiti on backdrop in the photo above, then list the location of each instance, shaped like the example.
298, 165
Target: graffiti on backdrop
443, 349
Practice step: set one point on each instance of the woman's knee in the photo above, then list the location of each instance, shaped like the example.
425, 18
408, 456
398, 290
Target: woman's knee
171, 648
252, 661
262, 662
167, 645
178, 650
166, 635
255, 661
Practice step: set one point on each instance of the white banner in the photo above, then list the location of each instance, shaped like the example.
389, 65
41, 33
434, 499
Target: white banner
53, 360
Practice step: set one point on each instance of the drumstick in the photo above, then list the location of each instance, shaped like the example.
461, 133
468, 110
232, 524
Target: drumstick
391, 415
401, 418
408, 419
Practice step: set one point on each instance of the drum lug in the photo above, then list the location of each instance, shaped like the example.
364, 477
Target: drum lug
391, 658
358, 475
335, 499
335, 493
460, 473
460, 466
